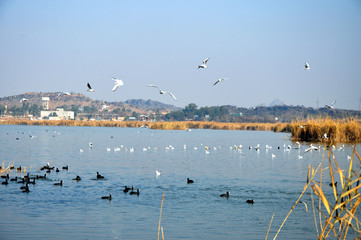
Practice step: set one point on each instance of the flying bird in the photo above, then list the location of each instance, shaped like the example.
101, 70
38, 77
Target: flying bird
90, 88
219, 80
23, 100
163, 92
104, 107
331, 105
204, 63
63, 93
307, 66
117, 83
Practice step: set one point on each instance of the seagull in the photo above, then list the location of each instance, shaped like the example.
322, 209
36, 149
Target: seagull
219, 80
63, 93
162, 92
157, 173
104, 107
117, 83
307, 66
325, 137
204, 64
330, 106
23, 100
311, 148
90, 88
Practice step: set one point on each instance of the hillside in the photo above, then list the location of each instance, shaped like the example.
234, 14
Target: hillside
87, 108
80, 104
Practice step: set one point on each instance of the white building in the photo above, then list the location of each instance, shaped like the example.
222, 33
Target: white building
59, 114
45, 102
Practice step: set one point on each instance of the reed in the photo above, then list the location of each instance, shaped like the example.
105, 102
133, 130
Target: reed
313, 130
160, 217
337, 211
179, 125
310, 130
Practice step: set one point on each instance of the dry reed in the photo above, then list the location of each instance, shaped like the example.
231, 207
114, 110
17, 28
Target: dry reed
314, 130
160, 217
311, 130
336, 211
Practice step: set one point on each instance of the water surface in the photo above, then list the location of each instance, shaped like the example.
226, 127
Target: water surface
190, 211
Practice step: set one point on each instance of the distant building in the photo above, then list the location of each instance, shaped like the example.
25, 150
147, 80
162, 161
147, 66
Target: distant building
59, 114
45, 102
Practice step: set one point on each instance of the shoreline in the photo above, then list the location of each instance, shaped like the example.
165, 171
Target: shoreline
312, 130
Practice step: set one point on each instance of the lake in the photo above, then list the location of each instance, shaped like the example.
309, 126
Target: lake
274, 178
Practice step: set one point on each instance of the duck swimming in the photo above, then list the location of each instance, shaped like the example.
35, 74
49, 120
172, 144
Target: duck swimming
99, 176
59, 183
77, 178
250, 201
107, 197
6, 182
225, 194
189, 181
126, 189
135, 192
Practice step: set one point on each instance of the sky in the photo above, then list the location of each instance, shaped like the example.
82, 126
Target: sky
259, 46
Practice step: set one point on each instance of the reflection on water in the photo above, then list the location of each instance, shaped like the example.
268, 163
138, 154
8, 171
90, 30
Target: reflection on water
273, 178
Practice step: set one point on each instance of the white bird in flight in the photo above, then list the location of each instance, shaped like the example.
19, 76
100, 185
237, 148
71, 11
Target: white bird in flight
117, 83
104, 107
63, 93
331, 105
204, 63
219, 80
90, 88
23, 100
307, 66
162, 92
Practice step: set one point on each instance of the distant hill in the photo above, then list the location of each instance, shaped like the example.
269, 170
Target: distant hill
85, 107
78, 101
150, 104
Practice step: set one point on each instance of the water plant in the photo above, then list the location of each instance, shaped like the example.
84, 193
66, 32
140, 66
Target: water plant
311, 130
334, 213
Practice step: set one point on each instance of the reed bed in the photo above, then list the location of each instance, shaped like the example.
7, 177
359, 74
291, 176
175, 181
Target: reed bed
179, 125
335, 212
314, 130
311, 130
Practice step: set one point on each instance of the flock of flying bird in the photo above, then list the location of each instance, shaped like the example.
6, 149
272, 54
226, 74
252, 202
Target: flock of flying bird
118, 83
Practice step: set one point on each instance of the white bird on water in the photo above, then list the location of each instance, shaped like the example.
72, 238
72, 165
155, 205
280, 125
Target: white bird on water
162, 91
219, 80
204, 63
23, 100
63, 93
117, 83
307, 66
331, 105
157, 173
90, 89
311, 148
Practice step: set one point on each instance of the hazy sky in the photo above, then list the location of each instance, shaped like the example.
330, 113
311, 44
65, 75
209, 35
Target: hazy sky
260, 46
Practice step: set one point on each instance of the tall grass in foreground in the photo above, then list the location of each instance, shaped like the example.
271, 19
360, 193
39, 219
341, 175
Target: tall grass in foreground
334, 214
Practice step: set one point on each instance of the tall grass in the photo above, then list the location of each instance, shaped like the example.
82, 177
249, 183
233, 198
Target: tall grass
336, 212
179, 125
311, 130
